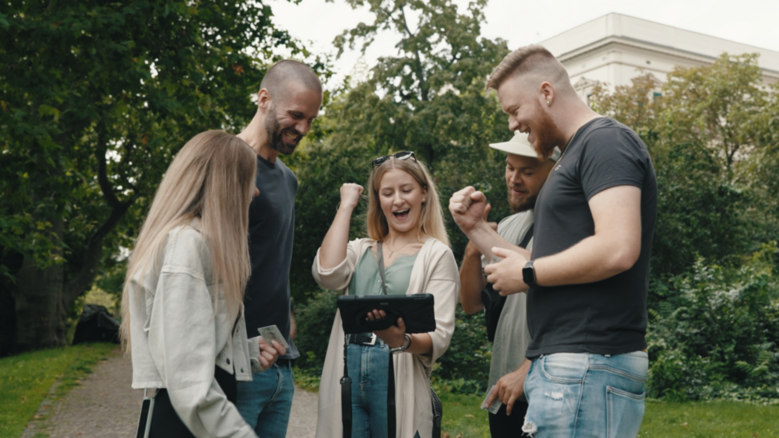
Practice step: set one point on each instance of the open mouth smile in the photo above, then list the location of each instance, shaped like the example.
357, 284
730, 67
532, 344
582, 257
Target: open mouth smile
401, 214
292, 138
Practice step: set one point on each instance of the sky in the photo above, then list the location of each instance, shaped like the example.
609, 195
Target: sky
317, 22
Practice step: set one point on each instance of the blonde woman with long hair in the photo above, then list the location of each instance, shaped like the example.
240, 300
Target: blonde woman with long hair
182, 310
404, 215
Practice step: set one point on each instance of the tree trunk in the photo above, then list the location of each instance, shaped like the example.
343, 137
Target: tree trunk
38, 297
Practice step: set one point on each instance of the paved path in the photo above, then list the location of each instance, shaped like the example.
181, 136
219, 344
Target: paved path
105, 406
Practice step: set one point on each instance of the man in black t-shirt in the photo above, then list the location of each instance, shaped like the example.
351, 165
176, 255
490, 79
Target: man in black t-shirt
588, 275
288, 101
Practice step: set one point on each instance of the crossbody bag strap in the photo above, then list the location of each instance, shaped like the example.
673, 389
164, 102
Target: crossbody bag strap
381, 271
528, 236
346, 395
391, 433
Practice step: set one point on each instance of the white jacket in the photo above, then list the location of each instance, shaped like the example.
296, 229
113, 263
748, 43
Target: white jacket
177, 338
434, 272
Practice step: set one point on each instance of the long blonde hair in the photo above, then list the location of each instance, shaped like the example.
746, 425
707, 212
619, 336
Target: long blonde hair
211, 178
431, 221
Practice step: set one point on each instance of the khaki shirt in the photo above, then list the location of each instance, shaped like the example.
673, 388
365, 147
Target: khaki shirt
512, 336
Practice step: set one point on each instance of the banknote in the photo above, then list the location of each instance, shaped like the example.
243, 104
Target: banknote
496, 404
272, 333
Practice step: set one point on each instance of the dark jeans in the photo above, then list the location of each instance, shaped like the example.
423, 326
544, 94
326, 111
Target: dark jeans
165, 422
509, 426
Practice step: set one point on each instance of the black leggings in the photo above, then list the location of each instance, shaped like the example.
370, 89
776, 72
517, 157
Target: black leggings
509, 426
165, 422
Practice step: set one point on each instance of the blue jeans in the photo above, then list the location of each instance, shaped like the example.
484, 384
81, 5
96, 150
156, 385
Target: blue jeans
586, 395
369, 370
266, 401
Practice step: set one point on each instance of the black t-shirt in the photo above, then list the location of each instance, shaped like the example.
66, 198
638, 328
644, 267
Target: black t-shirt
608, 316
271, 228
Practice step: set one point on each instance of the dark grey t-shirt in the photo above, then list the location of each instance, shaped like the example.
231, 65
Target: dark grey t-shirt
271, 228
608, 316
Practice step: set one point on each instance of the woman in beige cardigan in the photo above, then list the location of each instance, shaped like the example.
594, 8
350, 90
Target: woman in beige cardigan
404, 214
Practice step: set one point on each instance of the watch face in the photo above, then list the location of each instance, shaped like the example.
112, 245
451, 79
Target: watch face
528, 275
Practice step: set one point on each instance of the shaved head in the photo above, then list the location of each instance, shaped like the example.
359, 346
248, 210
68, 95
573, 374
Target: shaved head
284, 73
533, 63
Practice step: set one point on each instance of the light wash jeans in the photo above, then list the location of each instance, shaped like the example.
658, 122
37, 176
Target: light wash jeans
586, 395
266, 401
369, 371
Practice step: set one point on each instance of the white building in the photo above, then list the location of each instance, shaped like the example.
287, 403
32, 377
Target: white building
615, 48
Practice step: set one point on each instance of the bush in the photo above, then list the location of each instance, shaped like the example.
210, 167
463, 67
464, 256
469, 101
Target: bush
466, 364
314, 320
716, 336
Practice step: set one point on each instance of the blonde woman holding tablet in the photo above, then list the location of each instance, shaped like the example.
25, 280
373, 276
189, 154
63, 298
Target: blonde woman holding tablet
406, 229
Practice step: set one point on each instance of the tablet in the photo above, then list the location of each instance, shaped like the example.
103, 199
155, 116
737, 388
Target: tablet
417, 311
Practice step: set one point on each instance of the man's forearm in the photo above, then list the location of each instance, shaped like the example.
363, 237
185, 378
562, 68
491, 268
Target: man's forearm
485, 238
471, 280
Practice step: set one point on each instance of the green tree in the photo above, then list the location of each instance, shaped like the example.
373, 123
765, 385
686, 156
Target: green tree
714, 148
429, 98
95, 99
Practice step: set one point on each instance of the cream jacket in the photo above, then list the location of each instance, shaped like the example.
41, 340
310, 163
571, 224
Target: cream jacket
177, 338
434, 272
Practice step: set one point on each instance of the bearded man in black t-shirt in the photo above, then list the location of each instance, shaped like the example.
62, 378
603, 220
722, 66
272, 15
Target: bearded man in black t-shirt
588, 275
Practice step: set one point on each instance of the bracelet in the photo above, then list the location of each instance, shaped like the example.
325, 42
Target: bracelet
405, 346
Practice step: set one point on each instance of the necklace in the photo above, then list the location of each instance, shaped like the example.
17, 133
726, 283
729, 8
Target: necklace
568, 143
393, 251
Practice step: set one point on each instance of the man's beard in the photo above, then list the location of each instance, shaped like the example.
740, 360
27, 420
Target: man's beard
547, 134
518, 206
275, 132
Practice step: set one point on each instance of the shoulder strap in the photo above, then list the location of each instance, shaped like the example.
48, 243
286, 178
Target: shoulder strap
391, 414
381, 271
528, 236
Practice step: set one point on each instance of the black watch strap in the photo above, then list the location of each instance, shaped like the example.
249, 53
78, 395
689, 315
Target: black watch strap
529, 275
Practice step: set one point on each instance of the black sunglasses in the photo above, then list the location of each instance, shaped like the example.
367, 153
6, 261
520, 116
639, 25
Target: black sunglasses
405, 155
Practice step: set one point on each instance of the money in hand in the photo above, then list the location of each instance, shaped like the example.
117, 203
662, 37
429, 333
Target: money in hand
272, 333
496, 404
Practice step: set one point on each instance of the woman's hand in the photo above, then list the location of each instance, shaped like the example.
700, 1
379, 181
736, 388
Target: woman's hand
394, 336
269, 354
350, 195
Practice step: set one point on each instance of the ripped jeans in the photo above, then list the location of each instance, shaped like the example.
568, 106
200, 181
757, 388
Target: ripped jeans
586, 395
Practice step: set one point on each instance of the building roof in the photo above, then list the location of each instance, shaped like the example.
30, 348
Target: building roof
653, 36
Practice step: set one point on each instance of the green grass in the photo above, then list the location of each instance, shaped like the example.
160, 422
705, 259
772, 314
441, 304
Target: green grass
709, 419
462, 416
25, 380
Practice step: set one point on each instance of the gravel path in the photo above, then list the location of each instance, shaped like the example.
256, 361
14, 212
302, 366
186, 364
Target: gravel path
105, 406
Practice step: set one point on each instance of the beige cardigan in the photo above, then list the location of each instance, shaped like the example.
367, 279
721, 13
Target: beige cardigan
434, 272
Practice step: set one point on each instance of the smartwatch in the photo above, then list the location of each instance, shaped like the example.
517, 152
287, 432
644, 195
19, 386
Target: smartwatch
529, 275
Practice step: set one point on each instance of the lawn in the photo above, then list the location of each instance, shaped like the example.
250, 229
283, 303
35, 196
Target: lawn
662, 419
25, 380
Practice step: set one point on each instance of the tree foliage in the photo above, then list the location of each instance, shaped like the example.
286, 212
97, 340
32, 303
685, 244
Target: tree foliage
95, 99
429, 98
714, 148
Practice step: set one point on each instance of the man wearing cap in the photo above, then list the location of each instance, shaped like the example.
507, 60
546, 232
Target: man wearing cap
525, 175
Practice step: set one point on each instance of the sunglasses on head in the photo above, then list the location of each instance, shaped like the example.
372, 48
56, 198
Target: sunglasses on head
405, 155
